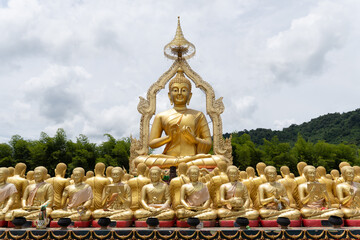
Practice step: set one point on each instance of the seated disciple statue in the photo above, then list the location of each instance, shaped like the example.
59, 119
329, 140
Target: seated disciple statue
136, 184
36, 196
98, 183
187, 135
59, 182
235, 198
289, 184
330, 186
314, 197
349, 194
116, 198
273, 198
216, 182
155, 199
20, 183
176, 183
195, 198
76, 199
7, 193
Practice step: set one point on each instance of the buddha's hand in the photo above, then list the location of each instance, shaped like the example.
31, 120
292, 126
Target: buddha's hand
188, 134
236, 202
5, 209
174, 131
152, 209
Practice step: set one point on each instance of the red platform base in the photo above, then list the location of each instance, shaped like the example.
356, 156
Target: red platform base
184, 224
313, 222
161, 223
273, 223
119, 224
82, 224
352, 222
3, 223
230, 223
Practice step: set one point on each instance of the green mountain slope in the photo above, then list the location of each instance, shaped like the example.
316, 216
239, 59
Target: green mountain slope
333, 128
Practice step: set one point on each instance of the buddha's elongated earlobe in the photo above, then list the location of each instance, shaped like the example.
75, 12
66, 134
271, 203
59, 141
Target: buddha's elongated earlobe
171, 100
188, 101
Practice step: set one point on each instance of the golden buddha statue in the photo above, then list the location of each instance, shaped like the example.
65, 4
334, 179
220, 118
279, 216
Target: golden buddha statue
30, 177
335, 176
136, 184
260, 168
216, 182
76, 199
98, 183
20, 183
289, 184
314, 197
235, 199
155, 199
176, 183
7, 193
59, 182
36, 196
116, 198
252, 186
195, 198
349, 194
330, 186
273, 198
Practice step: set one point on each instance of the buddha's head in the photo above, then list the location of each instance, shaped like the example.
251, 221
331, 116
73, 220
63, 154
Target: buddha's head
335, 174
193, 173
78, 175
141, 169
180, 89
243, 175
60, 169
117, 174
183, 167
40, 174
155, 174
109, 171
260, 168
320, 171
270, 173
250, 171
30, 175
4, 174
20, 169
343, 164
90, 174
12, 172
300, 167
222, 165
285, 171
232, 173
99, 169
309, 173
347, 172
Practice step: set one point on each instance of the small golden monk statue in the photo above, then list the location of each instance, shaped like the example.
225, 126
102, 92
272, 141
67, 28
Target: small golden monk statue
20, 183
116, 198
289, 184
59, 182
155, 199
187, 135
76, 199
7, 193
195, 198
136, 184
330, 186
349, 194
30, 177
235, 199
273, 198
314, 197
98, 183
216, 182
176, 183
36, 196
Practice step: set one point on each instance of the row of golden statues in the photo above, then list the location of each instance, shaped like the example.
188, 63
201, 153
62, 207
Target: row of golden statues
224, 193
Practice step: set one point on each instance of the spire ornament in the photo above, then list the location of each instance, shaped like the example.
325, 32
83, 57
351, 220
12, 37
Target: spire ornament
179, 47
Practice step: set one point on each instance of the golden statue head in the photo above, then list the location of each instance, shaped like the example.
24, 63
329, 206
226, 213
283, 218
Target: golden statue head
260, 168
309, 173
117, 174
90, 174
20, 169
193, 173
347, 172
300, 167
270, 173
78, 175
232, 173
60, 169
320, 171
141, 169
250, 171
4, 174
30, 175
285, 171
99, 169
12, 172
40, 174
243, 175
335, 174
343, 164
155, 174
180, 89
109, 171
183, 167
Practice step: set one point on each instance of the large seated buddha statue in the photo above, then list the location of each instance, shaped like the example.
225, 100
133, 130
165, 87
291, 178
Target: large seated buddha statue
183, 132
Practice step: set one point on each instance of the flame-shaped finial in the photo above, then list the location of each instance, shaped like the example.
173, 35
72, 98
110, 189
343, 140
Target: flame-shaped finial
179, 47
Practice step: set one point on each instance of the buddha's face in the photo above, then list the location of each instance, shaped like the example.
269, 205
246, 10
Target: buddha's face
155, 175
180, 93
310, 174
194, 175
77, 176
349, 174
39, 175
233, 174
116, 175
271, 175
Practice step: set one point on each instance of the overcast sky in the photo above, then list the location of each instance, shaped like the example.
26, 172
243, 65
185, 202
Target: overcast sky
82, 65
